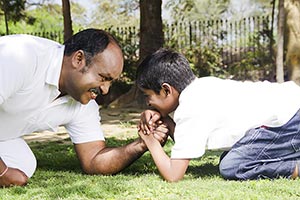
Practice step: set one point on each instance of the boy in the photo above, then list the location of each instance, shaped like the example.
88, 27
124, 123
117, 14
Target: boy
258, 122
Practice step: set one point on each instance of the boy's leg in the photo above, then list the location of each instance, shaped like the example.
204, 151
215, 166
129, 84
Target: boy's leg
15, 153
264, 153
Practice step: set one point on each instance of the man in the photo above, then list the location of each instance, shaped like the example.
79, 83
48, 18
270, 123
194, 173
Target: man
44, 85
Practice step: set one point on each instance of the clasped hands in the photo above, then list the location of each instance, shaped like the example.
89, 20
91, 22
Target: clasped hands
152, 129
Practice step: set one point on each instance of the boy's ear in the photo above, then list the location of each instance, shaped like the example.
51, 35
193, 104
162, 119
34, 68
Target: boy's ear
167, 88
78, 59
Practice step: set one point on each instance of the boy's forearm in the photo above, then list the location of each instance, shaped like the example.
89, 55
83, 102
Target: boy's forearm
170, 169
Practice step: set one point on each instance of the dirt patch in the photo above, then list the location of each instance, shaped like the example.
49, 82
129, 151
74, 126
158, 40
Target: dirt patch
120, 123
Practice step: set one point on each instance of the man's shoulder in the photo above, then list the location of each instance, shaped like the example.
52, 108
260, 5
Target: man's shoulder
24, 41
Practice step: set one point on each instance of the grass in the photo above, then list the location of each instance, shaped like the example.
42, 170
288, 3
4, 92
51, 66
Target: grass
59, 176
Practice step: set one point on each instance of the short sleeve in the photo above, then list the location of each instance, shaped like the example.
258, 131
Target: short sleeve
190, 140
85, 126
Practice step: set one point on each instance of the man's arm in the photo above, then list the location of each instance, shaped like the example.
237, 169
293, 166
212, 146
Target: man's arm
11, 176
96, 158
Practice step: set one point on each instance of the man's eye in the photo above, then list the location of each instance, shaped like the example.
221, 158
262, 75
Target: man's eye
105, 79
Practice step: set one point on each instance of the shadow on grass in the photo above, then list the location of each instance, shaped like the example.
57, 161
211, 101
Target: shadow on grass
61, 156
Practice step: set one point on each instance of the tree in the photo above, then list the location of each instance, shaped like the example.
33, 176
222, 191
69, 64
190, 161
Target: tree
108, 13
292, 10
13, 10
151, 39
151, 28
68, 31
280, 43
190, 10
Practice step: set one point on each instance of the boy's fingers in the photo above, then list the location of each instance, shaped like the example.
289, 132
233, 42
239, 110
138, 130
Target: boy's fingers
162, 139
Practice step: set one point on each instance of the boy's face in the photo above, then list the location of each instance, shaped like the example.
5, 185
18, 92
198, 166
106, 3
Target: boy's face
165, 102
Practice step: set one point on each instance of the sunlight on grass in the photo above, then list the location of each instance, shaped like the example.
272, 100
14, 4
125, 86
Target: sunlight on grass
59, 176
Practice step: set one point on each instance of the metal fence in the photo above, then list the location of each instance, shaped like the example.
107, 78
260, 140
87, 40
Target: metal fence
233, 38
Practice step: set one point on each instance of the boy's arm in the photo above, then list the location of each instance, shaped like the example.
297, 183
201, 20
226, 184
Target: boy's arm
171, 169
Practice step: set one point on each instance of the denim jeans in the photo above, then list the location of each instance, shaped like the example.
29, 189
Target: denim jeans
264, 153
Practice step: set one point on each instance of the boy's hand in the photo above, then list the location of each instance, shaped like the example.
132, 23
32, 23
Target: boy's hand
161, 133
148, 122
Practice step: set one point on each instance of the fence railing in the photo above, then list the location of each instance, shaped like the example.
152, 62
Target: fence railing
234, 38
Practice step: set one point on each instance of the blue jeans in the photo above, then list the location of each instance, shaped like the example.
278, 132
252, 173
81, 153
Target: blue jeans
264, 153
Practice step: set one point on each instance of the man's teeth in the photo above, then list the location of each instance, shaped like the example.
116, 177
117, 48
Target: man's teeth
93, 94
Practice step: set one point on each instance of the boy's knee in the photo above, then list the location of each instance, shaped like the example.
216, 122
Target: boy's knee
228, 168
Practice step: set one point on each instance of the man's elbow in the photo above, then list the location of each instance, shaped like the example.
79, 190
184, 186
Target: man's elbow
99, 170
173, 179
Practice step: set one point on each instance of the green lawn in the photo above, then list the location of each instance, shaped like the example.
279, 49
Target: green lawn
59, 177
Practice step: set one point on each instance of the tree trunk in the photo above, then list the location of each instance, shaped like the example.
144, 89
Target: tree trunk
292, 10
151, 39
6, 23
280, 43
68, 31
5, 10
151, 30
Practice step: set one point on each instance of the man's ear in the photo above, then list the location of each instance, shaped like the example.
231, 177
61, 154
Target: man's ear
78, 59
167, 88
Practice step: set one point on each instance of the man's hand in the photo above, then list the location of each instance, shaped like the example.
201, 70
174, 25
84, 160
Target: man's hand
13, 177
148, 121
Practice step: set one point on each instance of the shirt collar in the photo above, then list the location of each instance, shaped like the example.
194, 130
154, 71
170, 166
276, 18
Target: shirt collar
55, 65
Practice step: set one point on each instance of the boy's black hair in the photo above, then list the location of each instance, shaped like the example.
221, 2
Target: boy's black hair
91, 41
164, 66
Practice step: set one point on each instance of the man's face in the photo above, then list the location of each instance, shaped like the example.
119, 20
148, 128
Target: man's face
89, 81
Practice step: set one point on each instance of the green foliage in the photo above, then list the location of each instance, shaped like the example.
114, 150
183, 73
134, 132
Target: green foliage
254, 66
206, 61
130, 50
115, 12
43, 18
13, 9
190, 10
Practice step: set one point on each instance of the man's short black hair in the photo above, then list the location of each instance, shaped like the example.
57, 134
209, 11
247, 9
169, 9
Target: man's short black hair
164, 66
91, 41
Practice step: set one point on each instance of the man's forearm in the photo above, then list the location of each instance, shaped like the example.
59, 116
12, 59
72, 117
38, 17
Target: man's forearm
112, 160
